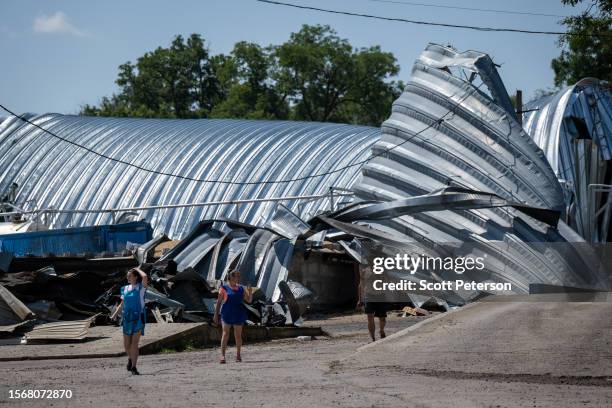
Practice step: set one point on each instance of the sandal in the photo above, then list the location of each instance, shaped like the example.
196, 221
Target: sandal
238, 359
222, 361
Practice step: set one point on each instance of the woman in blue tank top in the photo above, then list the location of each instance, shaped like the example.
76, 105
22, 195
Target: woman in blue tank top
232, 312
133, 314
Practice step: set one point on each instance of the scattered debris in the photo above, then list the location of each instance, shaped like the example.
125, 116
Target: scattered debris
46, 310
12, 310
413, 311
65, 330
13, 313
305, 338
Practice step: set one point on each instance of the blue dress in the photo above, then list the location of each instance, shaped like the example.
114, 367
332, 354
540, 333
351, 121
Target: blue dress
233, 311
133, 316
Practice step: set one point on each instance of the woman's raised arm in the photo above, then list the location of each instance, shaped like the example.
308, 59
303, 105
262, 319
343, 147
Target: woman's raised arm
143, 275
248, 294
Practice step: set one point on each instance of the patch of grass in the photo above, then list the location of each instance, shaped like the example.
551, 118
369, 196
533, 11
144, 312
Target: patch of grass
187, 345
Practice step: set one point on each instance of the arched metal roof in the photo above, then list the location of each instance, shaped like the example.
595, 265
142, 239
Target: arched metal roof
574, 129
57, 174
446, 130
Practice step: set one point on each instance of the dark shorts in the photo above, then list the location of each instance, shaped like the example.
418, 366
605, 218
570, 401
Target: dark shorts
378, 309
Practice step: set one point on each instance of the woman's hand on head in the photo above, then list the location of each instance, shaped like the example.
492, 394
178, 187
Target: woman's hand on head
143, 275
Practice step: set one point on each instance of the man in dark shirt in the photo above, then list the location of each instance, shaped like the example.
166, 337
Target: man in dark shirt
372, 308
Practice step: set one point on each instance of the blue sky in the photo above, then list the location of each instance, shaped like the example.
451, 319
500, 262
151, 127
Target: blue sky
59, 55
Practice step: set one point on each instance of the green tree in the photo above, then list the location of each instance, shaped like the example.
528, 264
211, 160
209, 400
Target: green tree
587, 48
372, 92
178, 81
250, 92
314, 76
315, 71
326, 80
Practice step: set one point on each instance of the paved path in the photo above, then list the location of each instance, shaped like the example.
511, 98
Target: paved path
496, 354
540, 338
102, 341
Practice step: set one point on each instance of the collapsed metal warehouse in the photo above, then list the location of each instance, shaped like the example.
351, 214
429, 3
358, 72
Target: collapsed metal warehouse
451, 165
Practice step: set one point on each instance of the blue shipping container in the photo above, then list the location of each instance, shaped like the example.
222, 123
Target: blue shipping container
96, 239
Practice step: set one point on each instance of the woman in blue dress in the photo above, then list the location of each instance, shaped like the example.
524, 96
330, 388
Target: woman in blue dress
231, 311
133, 314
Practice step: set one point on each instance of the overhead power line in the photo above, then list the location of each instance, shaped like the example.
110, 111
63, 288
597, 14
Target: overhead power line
438, 122
484, 10
430, 23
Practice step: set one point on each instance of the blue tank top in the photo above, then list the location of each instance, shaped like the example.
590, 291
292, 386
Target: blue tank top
132, 306
232, 310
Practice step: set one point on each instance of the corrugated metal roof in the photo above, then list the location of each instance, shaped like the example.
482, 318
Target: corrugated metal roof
574, 129
59, 175
479, 145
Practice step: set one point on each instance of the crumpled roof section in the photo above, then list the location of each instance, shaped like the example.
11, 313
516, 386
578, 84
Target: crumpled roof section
60, 175
447, 130
574, 129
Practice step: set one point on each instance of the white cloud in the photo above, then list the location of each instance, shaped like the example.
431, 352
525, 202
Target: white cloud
55, 24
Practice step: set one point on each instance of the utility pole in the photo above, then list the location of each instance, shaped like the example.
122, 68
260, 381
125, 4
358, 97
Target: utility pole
519, 106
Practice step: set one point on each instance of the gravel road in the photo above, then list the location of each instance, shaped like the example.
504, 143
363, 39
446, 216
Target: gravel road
401, 371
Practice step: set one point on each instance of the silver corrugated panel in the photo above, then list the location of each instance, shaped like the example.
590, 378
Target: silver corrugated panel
66, 330
478, 145
254, 254
574, 129
275, 268
286, 223
59, 175
12, 310
215, 247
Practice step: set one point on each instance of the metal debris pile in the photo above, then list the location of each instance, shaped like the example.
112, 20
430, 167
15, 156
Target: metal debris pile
61, 300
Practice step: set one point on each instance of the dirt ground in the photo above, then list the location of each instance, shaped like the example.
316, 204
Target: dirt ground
325, 372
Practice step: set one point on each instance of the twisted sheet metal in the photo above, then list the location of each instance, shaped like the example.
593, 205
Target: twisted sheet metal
574, 129
215, 247
55, 174
478, 146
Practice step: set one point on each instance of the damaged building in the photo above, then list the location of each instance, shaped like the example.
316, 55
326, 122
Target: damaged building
294, 205
573, 127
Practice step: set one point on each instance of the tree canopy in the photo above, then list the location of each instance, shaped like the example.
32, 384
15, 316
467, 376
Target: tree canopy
314, 76
587, 48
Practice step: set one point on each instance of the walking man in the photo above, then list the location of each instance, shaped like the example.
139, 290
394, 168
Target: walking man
372, 308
